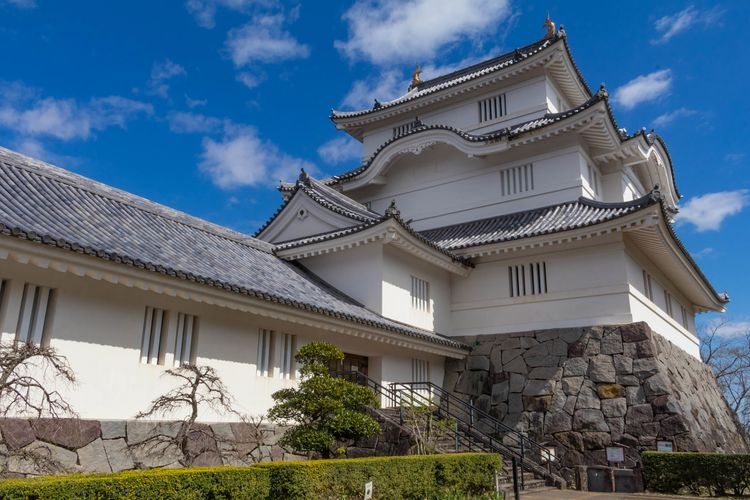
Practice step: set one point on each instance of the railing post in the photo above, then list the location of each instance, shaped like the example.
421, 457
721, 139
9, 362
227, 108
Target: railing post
523, 486
516, 493
455, 429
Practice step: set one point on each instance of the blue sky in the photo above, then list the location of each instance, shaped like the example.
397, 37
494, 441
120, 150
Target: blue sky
204, 105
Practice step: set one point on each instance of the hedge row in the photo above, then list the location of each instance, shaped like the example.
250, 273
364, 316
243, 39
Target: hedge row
696, 473
426, 476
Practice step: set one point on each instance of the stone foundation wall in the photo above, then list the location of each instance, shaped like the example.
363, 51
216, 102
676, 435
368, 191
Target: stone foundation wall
582, 389
50, 446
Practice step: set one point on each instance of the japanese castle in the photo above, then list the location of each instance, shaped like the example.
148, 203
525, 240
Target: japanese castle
499, 199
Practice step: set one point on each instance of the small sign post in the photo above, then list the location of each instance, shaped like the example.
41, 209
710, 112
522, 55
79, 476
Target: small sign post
368, 490
665, 446
615, 454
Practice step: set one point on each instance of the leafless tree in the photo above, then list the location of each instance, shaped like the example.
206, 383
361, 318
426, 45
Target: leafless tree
728, 355
28, 375
201, 388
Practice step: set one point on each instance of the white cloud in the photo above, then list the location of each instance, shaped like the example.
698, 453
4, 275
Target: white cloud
195, 103
387, 86
672, 25
182, 122
667, 118
161, 73
244, 159
726, 328
340, 150
249, 80
388, 31
708, 211
703, 253
21, 4
264, 40
30, 115
644, 88
204, 11
734, 157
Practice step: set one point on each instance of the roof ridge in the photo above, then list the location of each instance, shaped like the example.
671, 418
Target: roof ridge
58, 174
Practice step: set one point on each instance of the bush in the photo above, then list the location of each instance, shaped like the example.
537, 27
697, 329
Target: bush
416, 476
198, 483
696, 473
423, 476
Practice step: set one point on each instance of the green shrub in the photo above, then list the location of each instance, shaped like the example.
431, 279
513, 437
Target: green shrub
422, 476
696, 473
418, 476
197, 483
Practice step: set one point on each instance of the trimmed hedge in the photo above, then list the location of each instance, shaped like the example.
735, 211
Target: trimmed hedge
415, 476
425, 476
197, 483
696, 473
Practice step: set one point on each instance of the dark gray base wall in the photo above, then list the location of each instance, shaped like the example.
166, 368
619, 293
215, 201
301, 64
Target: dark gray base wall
53, 446
583, 389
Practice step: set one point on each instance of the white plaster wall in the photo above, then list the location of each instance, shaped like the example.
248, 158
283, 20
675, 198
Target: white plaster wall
98, 327
586, 286
525, 101
398, 268
358, 272
442, 186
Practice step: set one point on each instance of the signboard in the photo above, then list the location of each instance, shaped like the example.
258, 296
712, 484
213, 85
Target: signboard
615, 454
666, 446
368, 491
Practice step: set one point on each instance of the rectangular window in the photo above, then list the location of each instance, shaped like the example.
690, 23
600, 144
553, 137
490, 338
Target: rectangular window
405, 128
668, 303
154, 329
527, 279
420, 294
516, 180
648, 289
185, 341
33, 315
265, 352
420, 370
593, 178
288, 349
684, 312
492, 108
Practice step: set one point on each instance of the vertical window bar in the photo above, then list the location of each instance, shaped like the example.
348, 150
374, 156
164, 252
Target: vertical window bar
39, 314
155, 336
146, 338
27, 306
178, 339
544, 268
187, 339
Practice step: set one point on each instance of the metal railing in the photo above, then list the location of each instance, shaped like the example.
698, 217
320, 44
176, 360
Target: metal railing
475, 429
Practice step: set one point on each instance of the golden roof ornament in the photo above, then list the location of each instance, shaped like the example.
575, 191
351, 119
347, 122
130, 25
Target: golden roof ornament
550, 28
416, 77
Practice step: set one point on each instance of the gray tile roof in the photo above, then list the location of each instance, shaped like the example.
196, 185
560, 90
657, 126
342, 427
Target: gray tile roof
536, 222
51, 206
326, 197
466, 74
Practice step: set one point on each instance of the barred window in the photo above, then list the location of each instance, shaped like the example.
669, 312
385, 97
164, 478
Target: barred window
516, 180
154, 328
648, 289
420, 294
288, 363
420, 370
492, 108
527, 279
33, 316
186, 339
265, 352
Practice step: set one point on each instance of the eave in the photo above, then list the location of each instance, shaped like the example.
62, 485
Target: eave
553, 55
388, 232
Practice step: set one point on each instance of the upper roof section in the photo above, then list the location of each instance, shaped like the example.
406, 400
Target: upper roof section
552, 53
54, 207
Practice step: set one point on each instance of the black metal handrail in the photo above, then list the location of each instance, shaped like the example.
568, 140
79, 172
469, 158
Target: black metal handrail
496, 435
482, 428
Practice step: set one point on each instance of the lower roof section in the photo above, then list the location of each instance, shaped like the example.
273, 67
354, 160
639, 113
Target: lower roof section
56, 208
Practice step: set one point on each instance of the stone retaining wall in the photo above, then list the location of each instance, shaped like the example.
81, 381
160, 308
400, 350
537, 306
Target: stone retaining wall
583, 389
49, 446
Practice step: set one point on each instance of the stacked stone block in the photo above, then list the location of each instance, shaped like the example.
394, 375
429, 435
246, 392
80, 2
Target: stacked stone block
583, 389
